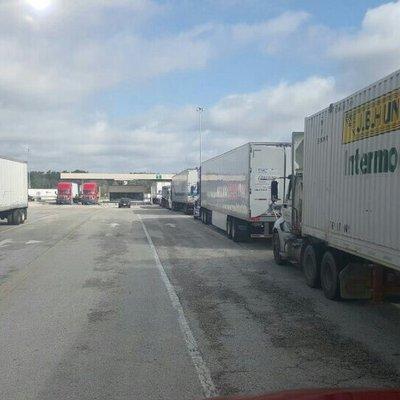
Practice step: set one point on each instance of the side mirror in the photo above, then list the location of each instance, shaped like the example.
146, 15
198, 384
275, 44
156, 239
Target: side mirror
274, 190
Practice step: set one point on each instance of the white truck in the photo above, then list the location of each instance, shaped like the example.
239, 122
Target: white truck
155, 190
13, 191
342, 221
184, 190
43, 194
166, 196
242, 190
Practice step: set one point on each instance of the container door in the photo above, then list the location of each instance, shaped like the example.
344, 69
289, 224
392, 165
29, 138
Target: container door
267, 164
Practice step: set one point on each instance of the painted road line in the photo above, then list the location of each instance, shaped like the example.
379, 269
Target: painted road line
5, 242
202, 370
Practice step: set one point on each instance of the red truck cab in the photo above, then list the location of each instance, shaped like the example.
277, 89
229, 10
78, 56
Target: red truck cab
90, 193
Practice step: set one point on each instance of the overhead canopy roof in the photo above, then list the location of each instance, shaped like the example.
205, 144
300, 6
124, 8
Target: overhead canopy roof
116, 177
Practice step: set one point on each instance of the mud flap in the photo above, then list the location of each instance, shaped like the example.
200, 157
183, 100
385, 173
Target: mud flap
356, 282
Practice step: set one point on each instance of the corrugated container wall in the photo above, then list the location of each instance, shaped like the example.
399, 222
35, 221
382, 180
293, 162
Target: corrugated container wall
352, 173
13, 184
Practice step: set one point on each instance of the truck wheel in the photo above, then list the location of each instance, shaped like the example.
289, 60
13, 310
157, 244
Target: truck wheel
311, 266
330, 276
24, 214
277, 248
16, 217
235, 231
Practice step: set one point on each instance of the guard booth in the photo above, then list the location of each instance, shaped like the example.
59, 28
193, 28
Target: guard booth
133, 192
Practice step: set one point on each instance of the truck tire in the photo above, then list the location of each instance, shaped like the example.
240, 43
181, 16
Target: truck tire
311, 264
15, 218
277, 248
24, 215
330, 276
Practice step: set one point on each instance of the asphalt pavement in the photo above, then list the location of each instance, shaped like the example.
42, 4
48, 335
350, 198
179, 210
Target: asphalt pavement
98, 302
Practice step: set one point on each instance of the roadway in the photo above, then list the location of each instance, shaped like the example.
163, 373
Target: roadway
144, 303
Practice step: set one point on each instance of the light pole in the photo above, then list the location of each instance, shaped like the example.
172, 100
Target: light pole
200, 111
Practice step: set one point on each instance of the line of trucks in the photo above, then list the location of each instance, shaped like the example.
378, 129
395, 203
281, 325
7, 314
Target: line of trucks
70, 192
329, 200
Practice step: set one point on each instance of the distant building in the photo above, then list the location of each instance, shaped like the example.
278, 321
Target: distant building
114, 186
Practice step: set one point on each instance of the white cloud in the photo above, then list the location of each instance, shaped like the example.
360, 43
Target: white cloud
374, 50
164, 138
270, 33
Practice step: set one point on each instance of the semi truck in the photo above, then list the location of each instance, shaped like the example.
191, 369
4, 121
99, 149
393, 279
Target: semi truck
155, 190
90, 193
184, 190
341, 223
42, 194
67, 192
242, 190
166, 196
13, 191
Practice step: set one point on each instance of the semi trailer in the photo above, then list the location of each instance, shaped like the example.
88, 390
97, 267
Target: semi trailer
67, 192
342, 220
13, 191
184, 190
242, 190
155, 190
166, 196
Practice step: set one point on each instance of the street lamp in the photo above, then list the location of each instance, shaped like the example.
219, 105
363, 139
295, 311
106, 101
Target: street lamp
200, 111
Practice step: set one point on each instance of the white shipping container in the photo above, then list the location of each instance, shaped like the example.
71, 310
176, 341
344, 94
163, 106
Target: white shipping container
43, 194
184, 186
238, 182
13, 184
352, 173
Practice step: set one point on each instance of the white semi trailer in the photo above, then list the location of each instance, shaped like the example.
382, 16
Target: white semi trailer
342, 223
13, 191
184, 190
243, 189
166, 196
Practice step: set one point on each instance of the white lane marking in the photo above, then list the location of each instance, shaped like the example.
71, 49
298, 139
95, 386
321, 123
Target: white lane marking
5, 242
202, 370
33, 241
171, 225
114, 224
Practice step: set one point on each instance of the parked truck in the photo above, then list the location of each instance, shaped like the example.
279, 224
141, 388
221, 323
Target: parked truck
184, 190
242, 190
166, 196
67, 192
342, 221
42, 194
155, 190
13, 191
90, 193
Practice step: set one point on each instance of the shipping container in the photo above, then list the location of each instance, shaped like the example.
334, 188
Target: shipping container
42, 194
184, 190
345, 220
242, 189
13, 190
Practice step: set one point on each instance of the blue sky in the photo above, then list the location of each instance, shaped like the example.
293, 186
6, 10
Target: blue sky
113, 85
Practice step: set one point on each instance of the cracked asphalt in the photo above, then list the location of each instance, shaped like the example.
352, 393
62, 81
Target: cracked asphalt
85, 313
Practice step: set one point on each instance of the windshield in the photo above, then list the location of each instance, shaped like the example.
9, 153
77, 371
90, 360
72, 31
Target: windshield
199, 199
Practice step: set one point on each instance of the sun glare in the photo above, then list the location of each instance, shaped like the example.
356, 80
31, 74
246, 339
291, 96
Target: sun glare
39, 5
